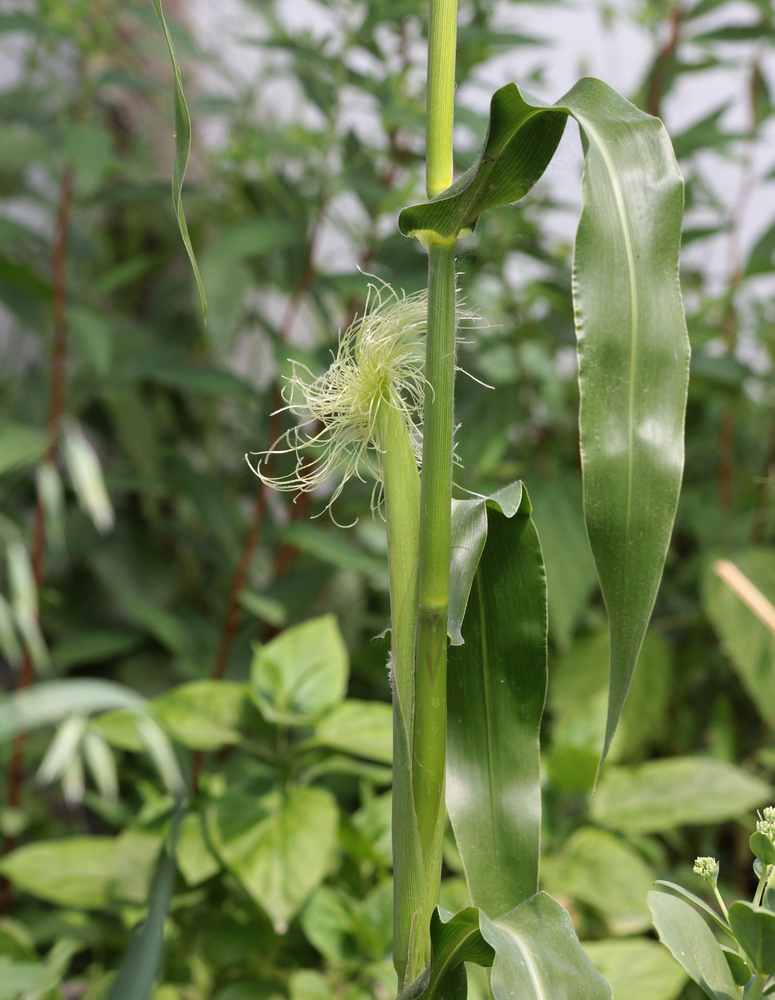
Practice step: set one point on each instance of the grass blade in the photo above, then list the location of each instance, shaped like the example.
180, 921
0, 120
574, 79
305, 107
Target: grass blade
182, 150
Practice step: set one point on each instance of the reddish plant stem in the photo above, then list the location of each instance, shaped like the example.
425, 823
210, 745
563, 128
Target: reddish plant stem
53, 430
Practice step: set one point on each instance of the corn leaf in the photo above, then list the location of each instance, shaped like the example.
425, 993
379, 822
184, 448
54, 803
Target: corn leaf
632, 341
496, 689
182, 150
538, 956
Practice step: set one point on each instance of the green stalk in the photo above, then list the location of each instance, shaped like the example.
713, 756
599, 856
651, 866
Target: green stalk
442, 41
430, 711
401, 486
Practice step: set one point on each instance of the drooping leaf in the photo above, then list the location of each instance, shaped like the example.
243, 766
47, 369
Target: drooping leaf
633, 345
662, 794
496, 689
279, 846
754, 928
50, 702
538, 956
633, 362
182, 150
692, 945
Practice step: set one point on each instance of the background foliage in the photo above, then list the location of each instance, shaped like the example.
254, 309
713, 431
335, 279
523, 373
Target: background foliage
140, 549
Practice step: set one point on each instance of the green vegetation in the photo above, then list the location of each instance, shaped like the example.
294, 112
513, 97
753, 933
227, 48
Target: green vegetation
206, 649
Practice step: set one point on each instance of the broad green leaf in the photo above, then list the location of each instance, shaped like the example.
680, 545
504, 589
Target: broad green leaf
538, 956
637, 969
754, 928
762, 848
583, 871
327, 922
196, 861
740, 969
681, 893
302, 674
363, 728
85, 872
662, 794
496, 689
693, 946
280, 847
20, 445
142, 959
203, 715
748, 642
455, 940
17, 978
182, 149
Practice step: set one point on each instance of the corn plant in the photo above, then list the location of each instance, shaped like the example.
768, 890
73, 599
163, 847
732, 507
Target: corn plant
466, 740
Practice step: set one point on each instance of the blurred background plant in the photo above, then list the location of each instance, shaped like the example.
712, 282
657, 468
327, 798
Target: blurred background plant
140, 549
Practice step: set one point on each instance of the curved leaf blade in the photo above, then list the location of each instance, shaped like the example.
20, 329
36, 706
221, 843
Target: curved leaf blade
496, 689
633, 361
455, 940
538, 956
521, 141
691, 943
182, 150
632, 340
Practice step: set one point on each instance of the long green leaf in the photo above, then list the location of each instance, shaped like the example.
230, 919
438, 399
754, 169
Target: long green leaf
182, 150
142, 960
692, 945
633, 362
632, 340
538, 956
496, 689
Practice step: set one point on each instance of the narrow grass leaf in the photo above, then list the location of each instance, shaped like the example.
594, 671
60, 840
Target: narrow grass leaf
182, 150
496, 691
142, 960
